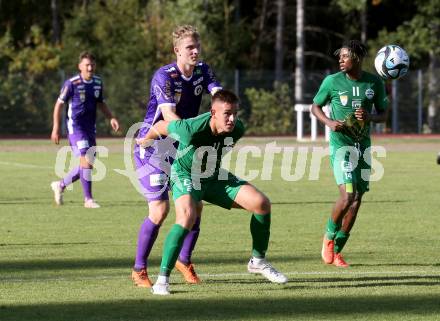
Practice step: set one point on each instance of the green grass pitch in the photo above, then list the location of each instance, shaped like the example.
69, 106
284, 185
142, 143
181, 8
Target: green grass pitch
71, 263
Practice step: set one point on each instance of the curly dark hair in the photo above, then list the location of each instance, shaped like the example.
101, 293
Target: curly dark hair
356, 48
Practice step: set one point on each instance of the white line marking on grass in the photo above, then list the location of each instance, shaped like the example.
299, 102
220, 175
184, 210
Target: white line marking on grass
327, 273
222, 275
25, 165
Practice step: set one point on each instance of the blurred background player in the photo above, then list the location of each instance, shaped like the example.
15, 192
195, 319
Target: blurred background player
351, 94
176, 92
82, 94
215, 132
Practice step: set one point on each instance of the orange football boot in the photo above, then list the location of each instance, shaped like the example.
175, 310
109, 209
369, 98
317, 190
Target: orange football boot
327, 252
141, 279
339, 261
188, 272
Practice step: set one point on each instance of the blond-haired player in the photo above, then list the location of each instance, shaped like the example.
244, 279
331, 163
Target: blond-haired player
175, 93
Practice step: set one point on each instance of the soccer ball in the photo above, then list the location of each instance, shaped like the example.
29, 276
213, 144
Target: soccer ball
391, 62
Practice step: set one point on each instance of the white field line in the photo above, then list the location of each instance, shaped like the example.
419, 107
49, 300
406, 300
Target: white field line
223, 275
330, 273
25, 165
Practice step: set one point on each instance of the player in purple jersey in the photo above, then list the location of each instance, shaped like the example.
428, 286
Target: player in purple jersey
82, 94
175, 93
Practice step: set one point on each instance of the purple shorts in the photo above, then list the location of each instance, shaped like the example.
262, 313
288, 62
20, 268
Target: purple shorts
153, 175
81, 142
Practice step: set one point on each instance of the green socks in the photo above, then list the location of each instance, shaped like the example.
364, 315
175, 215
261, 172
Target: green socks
333, 232
260, 230
340, 240
171, 249
331, 229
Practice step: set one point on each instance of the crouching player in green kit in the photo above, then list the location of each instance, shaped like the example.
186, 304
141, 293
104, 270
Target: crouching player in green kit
351, 93
196, 176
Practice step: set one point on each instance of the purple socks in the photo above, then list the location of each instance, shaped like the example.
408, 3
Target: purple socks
189, 243
85, 176
147, 236
71, 177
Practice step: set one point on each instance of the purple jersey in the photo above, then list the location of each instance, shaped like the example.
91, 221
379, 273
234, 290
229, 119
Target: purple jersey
169, 87
81, 97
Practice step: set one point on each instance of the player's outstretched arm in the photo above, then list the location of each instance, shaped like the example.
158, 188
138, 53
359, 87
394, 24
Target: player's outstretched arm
55, 136
108, 114
159, 129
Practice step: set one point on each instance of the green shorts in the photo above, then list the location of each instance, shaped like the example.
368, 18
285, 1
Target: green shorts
215, 191
350, 168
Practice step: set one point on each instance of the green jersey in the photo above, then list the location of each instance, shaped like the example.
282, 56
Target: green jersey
345, 96
200, 152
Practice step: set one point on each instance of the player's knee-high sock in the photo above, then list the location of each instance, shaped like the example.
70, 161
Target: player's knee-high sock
340, 240
260, 230
171, 248
85, 175
147, 236
189, 243
71, 177
331, 229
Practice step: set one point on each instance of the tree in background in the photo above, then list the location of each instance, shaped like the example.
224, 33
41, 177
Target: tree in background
356, 13
132, 38
114, 32
420, 36
26, 82
272, 111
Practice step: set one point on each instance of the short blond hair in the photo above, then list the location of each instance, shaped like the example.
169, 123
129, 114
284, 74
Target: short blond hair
184, 31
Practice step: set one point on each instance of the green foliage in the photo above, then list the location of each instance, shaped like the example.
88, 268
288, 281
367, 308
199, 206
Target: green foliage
112, 30
37, 57
28, 79
6, 51
348, 5
271, 111
132, 38
132, 41
350, 12
115, 32
418, 36
223, 39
